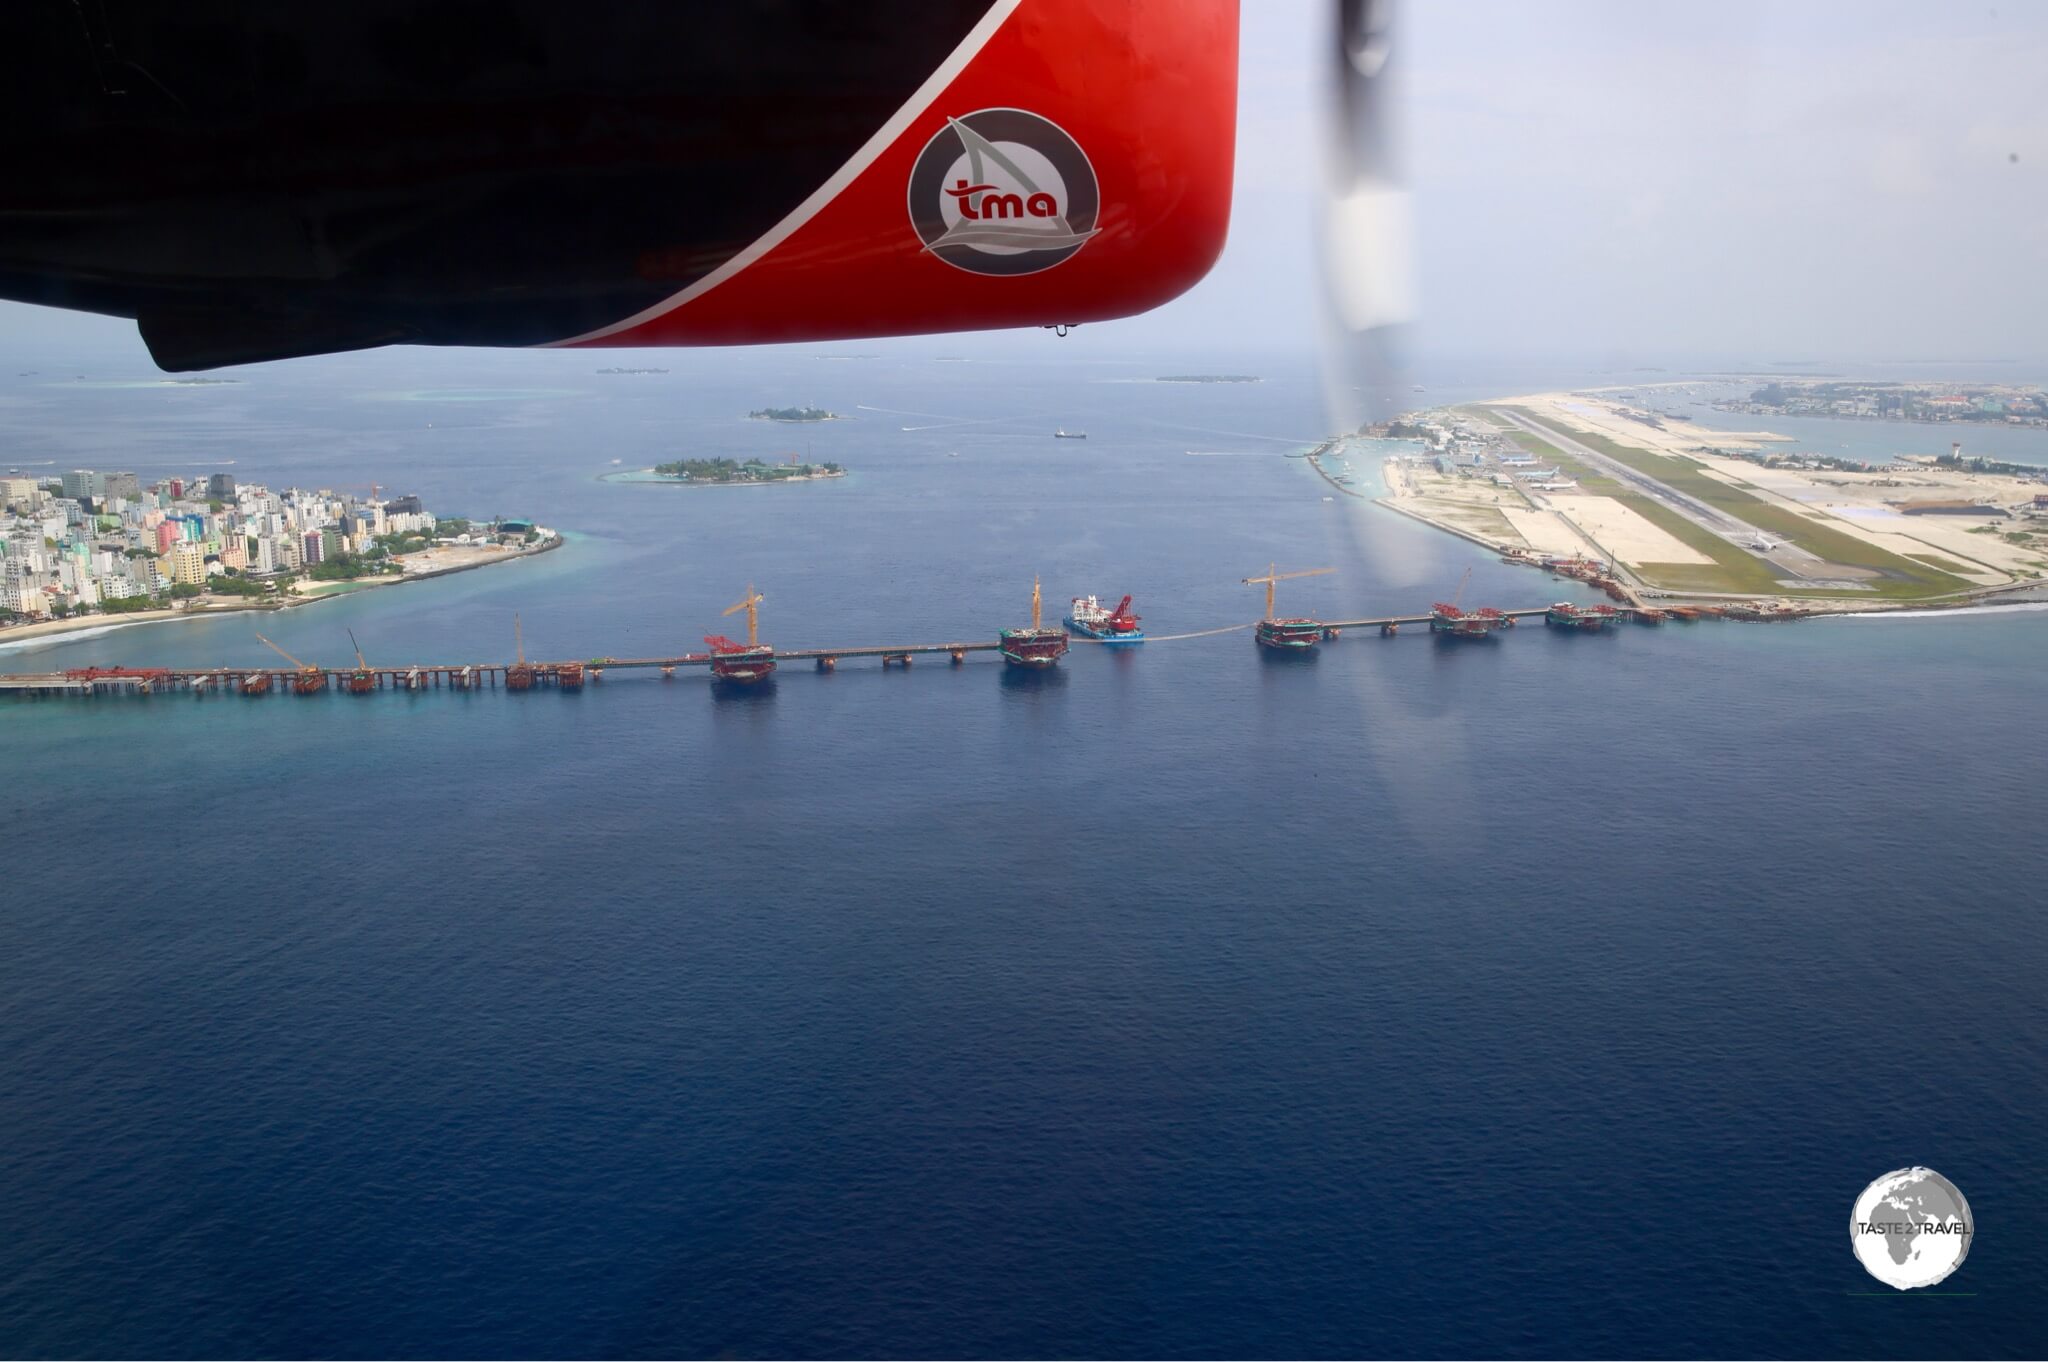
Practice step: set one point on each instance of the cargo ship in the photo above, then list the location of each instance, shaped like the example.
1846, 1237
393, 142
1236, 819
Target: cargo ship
1295, 635
1590, 618
1087, 618
742, 664
1064, 434
1034, 647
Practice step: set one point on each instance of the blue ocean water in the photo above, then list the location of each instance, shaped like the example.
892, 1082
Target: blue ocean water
1554, 996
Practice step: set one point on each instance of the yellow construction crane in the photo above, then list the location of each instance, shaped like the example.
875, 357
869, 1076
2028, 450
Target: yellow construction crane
302, 666
310, 677
1273, 576
752, 605
518, 676
362, 682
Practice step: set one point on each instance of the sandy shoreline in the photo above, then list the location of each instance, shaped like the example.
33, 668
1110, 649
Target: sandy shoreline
1559, 517
1862, 506
23, 634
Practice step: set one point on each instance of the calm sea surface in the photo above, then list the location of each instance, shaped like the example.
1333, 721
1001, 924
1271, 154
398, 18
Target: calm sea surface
1550, 996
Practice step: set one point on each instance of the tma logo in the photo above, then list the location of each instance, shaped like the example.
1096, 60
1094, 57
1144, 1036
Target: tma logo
1002, 191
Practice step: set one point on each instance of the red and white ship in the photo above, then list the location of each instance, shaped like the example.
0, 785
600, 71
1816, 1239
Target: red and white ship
1088, 617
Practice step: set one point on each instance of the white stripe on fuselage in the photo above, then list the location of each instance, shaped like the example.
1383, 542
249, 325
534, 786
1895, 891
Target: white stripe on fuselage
870, 150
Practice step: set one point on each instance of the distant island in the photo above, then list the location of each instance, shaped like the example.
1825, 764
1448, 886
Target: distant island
1207, 378
1993, 403
632, 371
726, 472
792, 414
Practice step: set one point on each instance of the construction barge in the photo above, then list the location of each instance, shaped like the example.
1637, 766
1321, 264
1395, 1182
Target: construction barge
1038, 647
742, 664
1450, 619
1297, 634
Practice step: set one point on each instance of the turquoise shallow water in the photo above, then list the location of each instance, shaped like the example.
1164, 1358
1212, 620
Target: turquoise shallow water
1555, 996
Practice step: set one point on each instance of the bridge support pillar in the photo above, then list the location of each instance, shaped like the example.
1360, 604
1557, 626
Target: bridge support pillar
828, 664
959, 656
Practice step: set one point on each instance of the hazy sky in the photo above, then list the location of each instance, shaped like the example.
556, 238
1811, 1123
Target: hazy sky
1826, 181
1778, 181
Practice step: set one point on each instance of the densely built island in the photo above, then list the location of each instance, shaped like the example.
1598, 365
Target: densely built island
91, 544
1993, 404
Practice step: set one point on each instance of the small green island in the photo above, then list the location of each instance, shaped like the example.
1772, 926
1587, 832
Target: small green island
1207, 378
727, 472
792, 414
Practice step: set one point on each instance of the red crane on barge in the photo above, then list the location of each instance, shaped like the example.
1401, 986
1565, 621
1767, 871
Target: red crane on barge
742, 663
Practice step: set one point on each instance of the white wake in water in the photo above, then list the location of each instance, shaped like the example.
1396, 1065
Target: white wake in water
1961, 613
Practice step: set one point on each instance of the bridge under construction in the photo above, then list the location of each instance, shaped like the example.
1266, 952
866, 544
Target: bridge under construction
304, 679
520, 674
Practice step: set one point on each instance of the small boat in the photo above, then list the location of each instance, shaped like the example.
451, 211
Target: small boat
1064, 434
